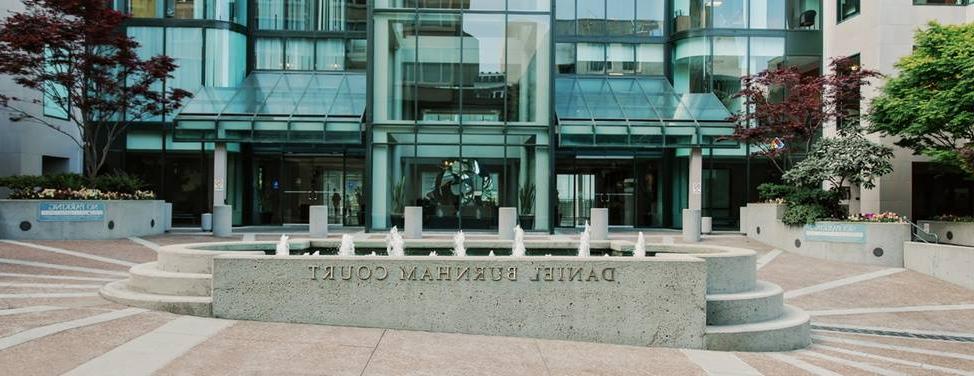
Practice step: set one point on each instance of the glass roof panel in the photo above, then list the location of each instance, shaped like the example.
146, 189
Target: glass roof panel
633, 99
209, 100
568, 100
706, 107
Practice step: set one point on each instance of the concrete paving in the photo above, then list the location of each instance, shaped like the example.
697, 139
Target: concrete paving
872, 326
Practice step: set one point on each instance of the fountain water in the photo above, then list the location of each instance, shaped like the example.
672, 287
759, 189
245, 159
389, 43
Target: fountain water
283, 248
458, 248
584, 246
394, 243
518, 250
491, 253
432, 253
640, 248
317, 253
347, 247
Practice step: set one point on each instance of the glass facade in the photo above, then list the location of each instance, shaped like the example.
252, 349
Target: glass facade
461, 106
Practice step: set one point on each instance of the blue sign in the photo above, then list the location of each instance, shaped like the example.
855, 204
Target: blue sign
836, 232
71, 211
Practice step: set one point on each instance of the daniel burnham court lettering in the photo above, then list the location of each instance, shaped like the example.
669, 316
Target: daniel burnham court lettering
461, 273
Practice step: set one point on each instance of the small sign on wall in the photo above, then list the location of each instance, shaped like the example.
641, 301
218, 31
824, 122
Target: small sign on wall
836, 233
71, 211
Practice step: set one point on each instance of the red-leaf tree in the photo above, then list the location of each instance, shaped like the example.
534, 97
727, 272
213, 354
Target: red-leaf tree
76, 52
791, 107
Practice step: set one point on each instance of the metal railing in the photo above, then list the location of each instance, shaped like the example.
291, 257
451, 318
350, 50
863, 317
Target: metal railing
917, 231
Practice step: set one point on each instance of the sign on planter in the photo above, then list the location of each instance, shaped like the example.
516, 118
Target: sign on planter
836, 232
70, 211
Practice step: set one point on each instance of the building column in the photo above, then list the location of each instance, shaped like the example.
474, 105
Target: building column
691, 215
220, 174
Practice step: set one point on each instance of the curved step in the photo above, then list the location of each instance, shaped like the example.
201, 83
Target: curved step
119, 292
198, 258
148, 278
764, 303
785, 333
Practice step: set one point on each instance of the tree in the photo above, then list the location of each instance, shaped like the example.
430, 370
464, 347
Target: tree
930, 104
788, 106
76, 53
839, 160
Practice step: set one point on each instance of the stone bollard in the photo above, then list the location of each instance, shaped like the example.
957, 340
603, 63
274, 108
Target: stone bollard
691, 225
506, 220
167, 216
706, 225
318, 221
413, 222
222, 220
206, 222
600, 223
743, 220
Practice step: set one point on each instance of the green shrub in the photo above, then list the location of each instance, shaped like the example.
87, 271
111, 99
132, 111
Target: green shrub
56, 181
773, 191
805, 205
801, 214
120, 182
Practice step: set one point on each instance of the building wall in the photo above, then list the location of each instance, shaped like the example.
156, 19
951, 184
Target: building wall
881, 34
24, 144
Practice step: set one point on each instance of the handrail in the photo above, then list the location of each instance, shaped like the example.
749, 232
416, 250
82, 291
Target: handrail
916, 234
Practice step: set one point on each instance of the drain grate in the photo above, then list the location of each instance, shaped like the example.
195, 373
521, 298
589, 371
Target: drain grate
893, 333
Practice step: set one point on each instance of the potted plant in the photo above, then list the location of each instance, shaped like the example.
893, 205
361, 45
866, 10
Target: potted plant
526, 206
398, 202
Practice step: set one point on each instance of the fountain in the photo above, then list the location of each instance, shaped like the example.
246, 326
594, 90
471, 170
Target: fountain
283, 248
518, 250
584, 242
347, 246
640, 248
458, 248
394, 243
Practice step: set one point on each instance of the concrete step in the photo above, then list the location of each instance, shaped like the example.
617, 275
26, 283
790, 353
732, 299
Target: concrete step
198, 258
785, 333
148, 278
119, 292
764, 303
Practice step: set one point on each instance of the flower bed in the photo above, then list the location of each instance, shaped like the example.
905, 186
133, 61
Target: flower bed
80, 194
76, 187
887, 217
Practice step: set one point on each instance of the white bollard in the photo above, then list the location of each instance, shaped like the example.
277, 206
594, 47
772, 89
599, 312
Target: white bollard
691, 225
706, 225
413, 222
743, 220
600, 223
506, 220
167, 216
206, 222
222, 221
318, 221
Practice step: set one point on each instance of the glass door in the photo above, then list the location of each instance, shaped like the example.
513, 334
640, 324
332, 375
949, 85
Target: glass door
309, 181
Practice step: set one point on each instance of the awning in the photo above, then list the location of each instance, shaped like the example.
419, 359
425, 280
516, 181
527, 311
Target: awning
278, 107
637, 112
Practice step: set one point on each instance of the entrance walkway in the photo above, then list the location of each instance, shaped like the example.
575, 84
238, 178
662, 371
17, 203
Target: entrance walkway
866, 320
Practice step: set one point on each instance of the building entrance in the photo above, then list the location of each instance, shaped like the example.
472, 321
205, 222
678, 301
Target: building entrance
285, 186
630, 187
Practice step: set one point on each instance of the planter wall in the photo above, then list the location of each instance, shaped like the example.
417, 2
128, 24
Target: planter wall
80, 220
950, 263
956, 233
856, 242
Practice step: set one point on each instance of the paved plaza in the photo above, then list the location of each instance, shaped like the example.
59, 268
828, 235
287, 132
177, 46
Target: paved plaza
866, 320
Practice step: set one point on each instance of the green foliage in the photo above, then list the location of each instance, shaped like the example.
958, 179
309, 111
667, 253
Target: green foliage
850, 158
120, 182
526, 198
929, 106
804, 204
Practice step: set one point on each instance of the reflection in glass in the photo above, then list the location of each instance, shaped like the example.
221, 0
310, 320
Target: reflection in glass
299, 14
766, 53
620, 59
185, 9
356, 53
729, 65
591, 17
565, 17
394, 69
270, 14
649, 60
223, 65
649, 17
767, 14
729, 14
144, 8
185, 46
300, 54
690, 68
483, 69
268, 53
591, 58
330, 55
438, 69
565, 58
528, 59
690, 14
619, 17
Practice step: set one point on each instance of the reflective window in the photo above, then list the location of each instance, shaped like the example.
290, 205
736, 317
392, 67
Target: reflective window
802, 14
619, 17
729, 14
591, 17
591, 58
649, 60
185, 46
146, 8
690, 14
766, 53
268, 53
483, 69
690, 65
356, 53
620, 59
565, 17
729, 65
299, 54
329, 54
224, 67
565, 58
847, 9
185, 9
528, 56
437, 68
767, 14
270, 14
649, 17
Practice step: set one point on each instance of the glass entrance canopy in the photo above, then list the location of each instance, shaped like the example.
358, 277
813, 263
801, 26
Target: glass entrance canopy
288, 107
637, 112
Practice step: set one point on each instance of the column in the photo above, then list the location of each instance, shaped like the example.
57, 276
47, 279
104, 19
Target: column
691, 215
220, 174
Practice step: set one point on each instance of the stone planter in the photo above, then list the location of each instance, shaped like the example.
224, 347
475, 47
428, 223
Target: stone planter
856, 242
956, 233
80, 219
